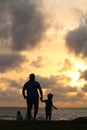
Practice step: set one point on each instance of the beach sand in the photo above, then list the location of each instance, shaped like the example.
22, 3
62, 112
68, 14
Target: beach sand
43, 125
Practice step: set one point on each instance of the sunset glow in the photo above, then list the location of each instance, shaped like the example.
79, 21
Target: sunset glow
48, 38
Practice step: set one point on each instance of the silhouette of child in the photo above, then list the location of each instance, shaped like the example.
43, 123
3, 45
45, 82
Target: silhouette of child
19, 116
49, 106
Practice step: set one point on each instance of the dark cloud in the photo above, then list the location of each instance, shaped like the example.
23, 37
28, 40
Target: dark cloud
4, 30
9, 96
79, 96
85, 88
56, 84
71, 96
5, 25
47, 82
76, 41
81, 16
11, 61
27, 25
12, 83
12, 92
83, 75
22, 22
62, 91
3, 7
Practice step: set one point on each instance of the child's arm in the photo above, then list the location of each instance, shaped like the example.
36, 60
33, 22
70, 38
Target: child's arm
54, 107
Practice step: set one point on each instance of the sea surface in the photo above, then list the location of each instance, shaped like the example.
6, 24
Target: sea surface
9, 113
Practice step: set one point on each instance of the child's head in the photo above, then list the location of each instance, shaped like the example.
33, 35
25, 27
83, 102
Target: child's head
50, 96
18, 112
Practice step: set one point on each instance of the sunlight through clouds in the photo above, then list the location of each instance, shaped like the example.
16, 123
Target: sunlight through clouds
48, 38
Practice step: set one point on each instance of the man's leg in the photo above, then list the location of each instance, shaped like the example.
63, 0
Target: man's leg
29, 107
36, 103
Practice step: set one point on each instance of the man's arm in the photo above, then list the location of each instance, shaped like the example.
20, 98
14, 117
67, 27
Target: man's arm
23, 92
41, 92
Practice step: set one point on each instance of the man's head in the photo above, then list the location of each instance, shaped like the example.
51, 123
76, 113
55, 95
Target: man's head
32, 76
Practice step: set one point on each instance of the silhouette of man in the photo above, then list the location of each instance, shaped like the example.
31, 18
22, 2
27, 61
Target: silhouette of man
31, 95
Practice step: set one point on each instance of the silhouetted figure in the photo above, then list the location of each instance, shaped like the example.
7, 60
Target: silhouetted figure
30, 93
19, 116
48, 107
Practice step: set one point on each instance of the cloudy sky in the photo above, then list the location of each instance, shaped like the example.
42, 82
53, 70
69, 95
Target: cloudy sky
48, 38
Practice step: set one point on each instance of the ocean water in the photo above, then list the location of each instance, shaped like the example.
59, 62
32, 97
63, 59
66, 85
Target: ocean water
9, 113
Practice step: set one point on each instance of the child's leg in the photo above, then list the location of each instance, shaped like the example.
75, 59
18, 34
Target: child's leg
50, 115
47, 114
